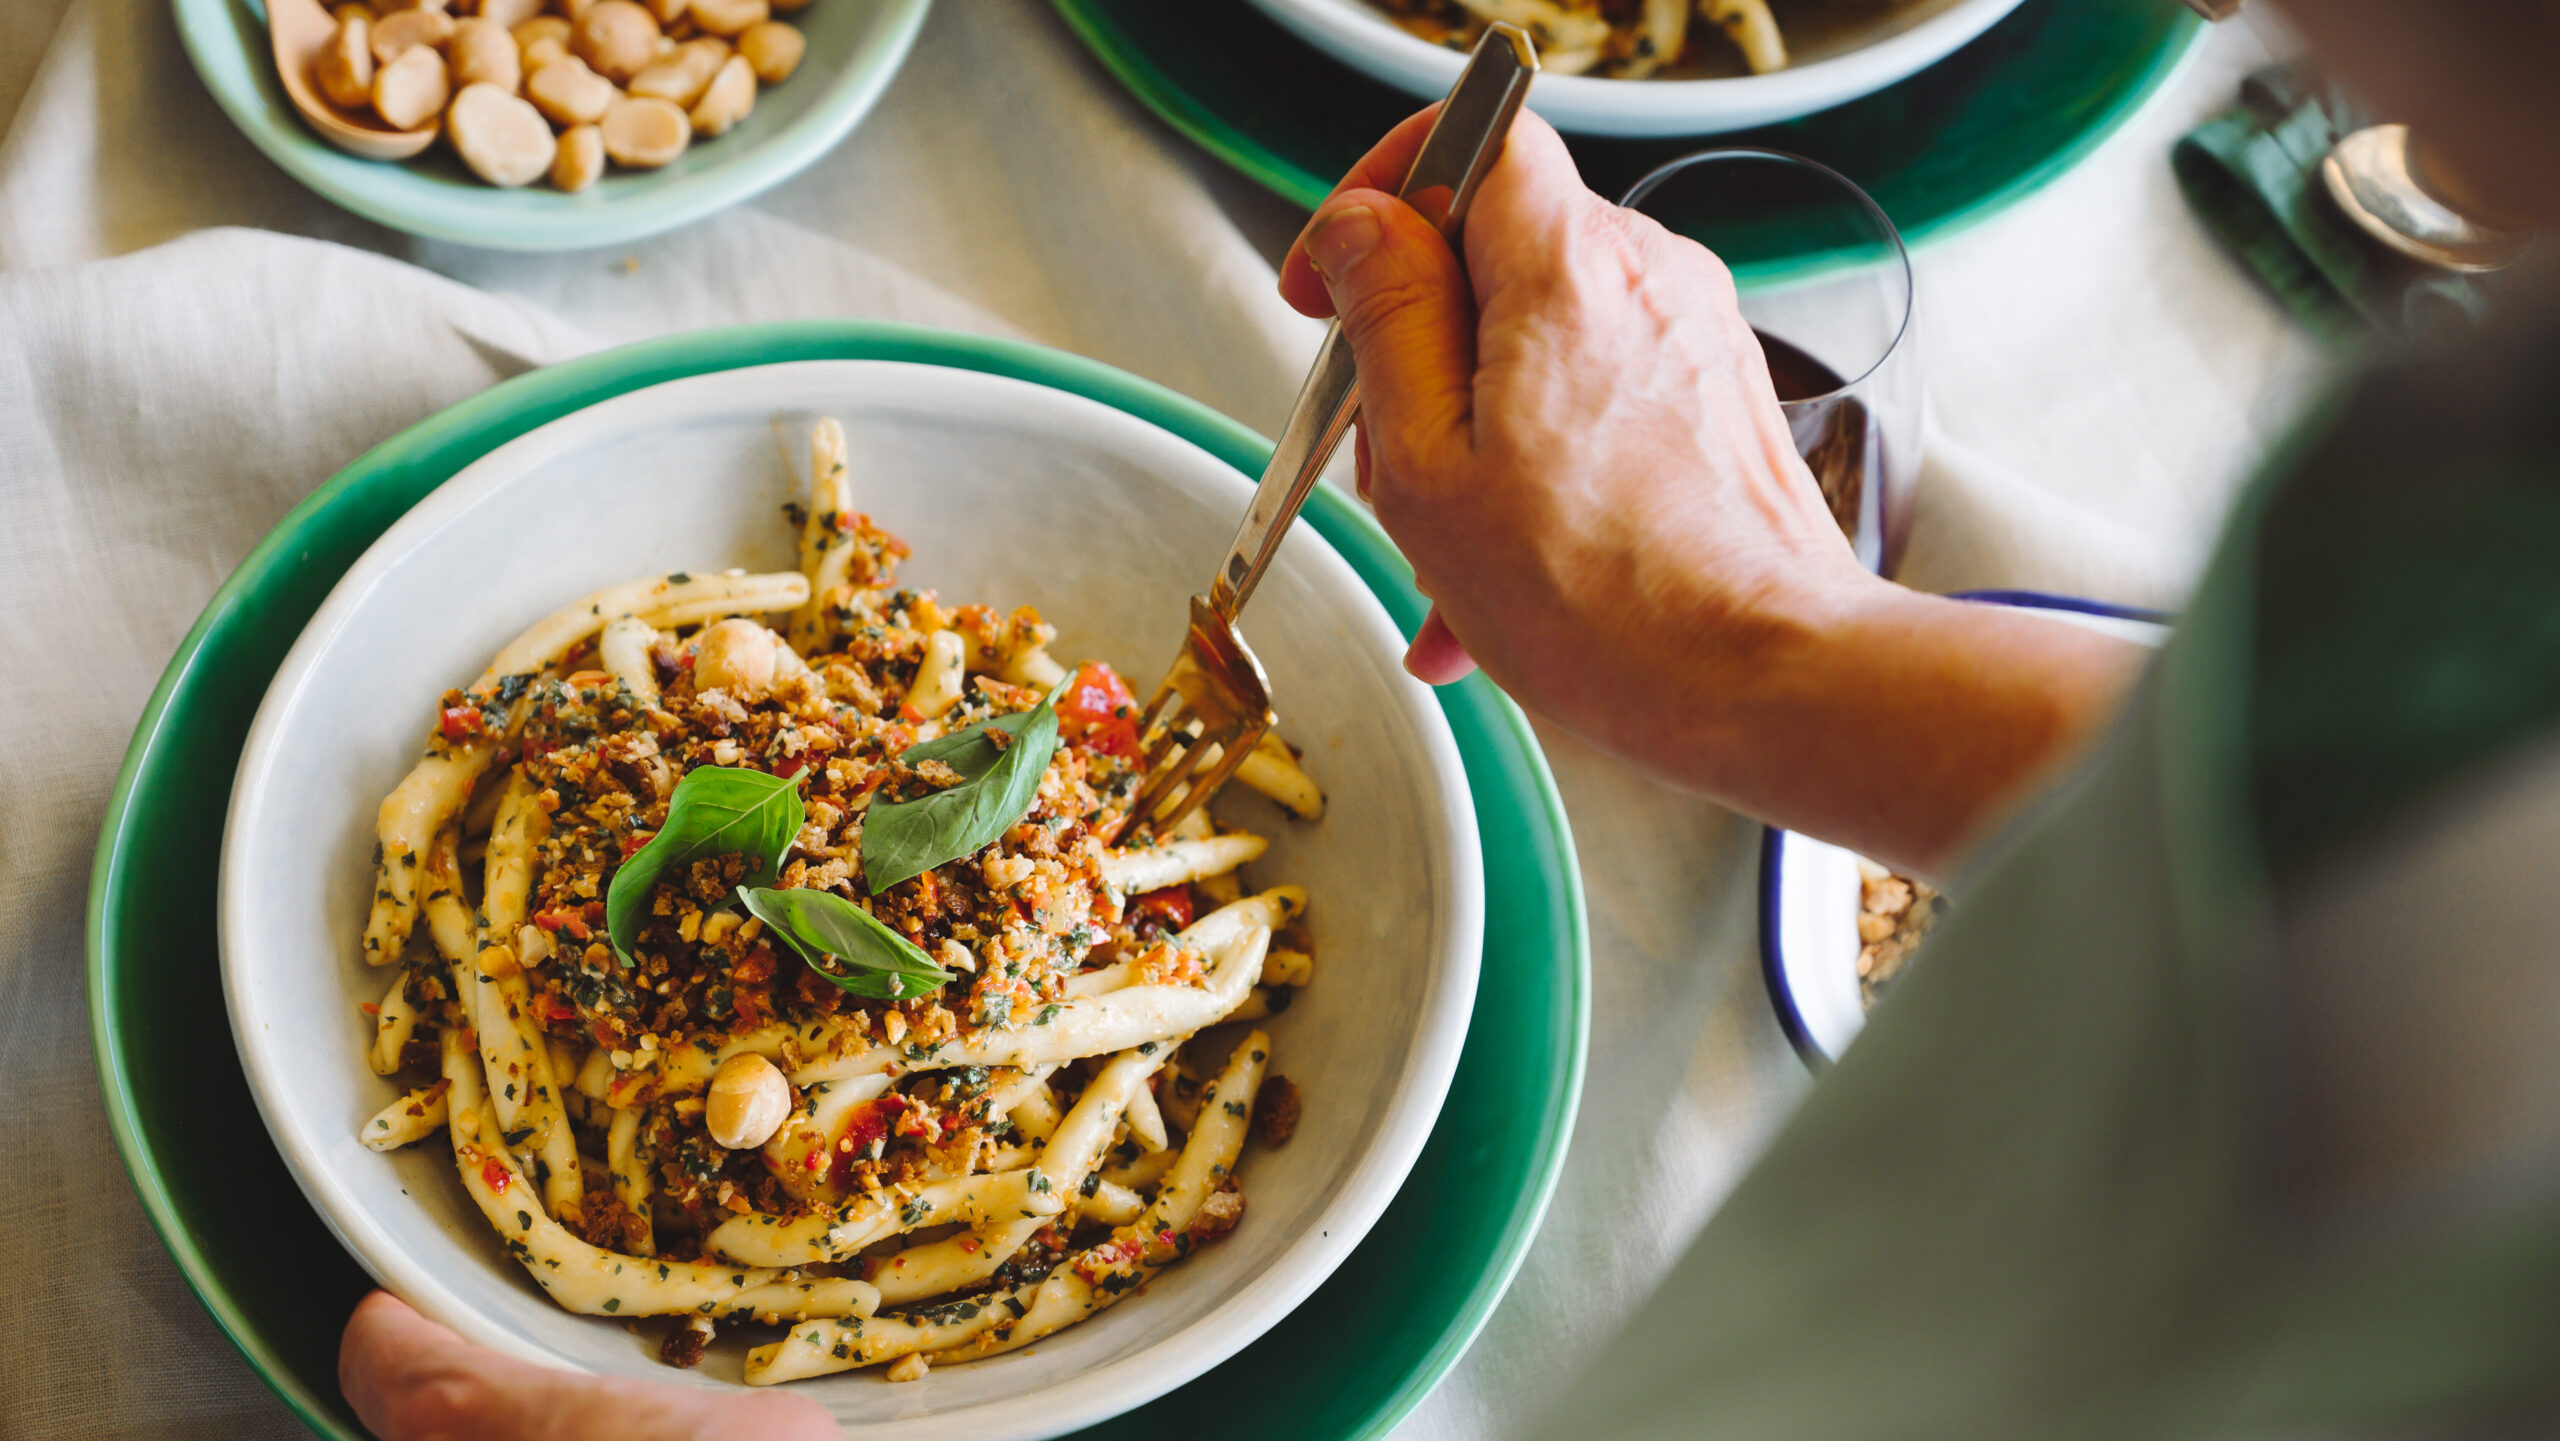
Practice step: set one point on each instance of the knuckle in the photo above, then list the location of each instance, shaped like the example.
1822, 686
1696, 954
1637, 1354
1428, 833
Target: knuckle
1382, 303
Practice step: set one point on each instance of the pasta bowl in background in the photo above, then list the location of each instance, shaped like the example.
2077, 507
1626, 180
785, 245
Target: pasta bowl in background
1840, 51
1811, 890
1010, 493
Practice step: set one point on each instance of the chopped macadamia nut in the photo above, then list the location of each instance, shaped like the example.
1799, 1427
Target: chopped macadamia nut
409, 91
729, 17
394, 35
570, 93
683, 76
731, 96
645, 133
344, 71
581, 158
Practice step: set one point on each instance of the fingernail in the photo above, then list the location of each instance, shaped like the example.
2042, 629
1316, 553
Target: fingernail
1342, 240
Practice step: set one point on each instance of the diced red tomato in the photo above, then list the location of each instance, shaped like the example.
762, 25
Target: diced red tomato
1118, 1251
632, 843
494, 1173
370, 1008
1098, 711
868, 1124
460, 722
574, 922
1173, 905
793, 766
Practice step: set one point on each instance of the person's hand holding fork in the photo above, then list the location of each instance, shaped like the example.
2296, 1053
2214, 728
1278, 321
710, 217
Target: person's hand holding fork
1575, 441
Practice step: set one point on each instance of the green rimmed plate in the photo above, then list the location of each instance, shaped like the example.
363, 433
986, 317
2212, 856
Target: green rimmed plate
1955, 143
1382, 1331
855, 49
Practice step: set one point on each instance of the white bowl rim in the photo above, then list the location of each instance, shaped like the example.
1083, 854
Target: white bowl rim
1362, 37
1127, 1381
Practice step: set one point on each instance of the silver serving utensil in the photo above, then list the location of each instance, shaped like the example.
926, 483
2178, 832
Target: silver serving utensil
2379, 177
1216, 701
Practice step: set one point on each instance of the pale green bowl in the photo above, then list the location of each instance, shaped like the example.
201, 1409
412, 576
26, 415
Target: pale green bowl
855, 46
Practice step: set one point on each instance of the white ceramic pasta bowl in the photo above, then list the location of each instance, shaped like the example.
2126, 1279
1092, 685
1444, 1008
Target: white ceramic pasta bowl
1837, 59
1012, 494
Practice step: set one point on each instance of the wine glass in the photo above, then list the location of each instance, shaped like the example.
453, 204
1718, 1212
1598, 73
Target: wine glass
1826, 283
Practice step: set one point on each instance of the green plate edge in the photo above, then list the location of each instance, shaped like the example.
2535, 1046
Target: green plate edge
226, 42
2163, 36
1536, 924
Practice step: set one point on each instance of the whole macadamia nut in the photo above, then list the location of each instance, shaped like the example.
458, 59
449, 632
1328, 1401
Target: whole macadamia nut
481, 52
616, 38
504, 140
748, 1101
736, 656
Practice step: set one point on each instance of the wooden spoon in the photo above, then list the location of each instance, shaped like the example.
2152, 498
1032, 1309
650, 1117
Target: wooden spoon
298, 28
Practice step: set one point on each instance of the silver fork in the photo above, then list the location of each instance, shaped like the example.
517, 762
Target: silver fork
1216, 701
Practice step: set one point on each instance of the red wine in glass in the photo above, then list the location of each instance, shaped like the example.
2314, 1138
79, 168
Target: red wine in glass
1825, 282
1834, 431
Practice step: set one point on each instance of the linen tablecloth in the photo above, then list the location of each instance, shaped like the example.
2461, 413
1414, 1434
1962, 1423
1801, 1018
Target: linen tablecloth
189, 343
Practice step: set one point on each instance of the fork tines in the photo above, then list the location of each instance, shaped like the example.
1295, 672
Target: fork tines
1203, 721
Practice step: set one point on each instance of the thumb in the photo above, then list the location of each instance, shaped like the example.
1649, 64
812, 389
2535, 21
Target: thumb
410, 1379
1411, 320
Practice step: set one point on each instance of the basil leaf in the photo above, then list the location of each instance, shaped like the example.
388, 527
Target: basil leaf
905, 839
716, 810
878, 962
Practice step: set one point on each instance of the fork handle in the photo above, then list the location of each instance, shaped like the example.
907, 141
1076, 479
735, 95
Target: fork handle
1465, 139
